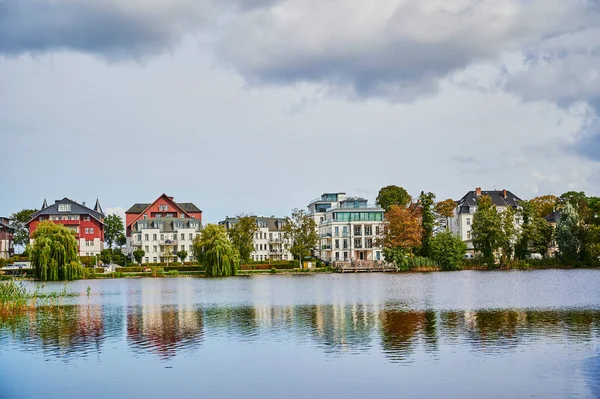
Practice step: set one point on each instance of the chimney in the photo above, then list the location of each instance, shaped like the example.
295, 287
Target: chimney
504, 193
83, 203
478, 191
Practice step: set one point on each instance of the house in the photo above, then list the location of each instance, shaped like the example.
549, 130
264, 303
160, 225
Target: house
348, 228
269, 240
87, 223
162, 228
461, 222
6, 239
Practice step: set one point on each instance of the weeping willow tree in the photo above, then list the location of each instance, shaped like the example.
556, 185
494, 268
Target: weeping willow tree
215, 252
54, 253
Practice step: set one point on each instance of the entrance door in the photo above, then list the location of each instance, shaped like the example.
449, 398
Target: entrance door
361, 255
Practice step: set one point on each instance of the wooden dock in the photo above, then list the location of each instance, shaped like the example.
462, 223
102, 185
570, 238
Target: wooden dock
364, 266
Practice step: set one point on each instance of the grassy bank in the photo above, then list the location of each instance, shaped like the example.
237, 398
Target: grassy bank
16, 298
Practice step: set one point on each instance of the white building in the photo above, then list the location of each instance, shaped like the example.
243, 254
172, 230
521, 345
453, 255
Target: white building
461, 222
161, 227
269, 240
348, 228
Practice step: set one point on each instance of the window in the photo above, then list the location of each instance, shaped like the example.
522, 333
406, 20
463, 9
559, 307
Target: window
154, 237
91, 230
147, 260
337, 244
376, 230
147, 250
468, 221
337, 256
469, 235
368, 243
345, 243
145, 216
154, 260
357, 243
154, 248
345, 255
86, 218
357, 230
147, 237
162, 237
183, 247
368, 230
191, 236
270, 236
64, 207
158, 216
87, 230
163, 207
69, 218
182, 236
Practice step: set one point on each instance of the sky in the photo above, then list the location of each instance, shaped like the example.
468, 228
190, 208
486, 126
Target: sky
259, 106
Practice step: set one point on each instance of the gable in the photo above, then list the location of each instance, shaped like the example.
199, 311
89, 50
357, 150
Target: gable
163, 204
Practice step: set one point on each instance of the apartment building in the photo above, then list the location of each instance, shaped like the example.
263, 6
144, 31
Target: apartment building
348, 228
162, 228
269, 240
87, 223
6, 239
461, 222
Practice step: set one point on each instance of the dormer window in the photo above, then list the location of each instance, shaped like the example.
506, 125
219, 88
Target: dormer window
64, 207
145, 216
163, 207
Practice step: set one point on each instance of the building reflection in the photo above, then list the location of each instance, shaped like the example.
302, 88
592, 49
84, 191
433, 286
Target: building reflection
164, 330
64, 333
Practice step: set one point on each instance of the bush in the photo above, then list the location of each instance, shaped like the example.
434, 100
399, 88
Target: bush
130, 269
448, 250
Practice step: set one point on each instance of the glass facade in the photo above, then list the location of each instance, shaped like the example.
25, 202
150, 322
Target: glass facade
358, 216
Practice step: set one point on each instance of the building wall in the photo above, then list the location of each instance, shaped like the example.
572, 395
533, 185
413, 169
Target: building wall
83, 231
156, 209
270, 245
153, 243
357, 245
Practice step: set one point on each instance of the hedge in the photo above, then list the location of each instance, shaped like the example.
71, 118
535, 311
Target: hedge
266, 266
140, 269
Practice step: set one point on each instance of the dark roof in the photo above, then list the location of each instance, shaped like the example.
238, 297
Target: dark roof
137, 208
5, 226
186, 206
497, 196
167, 223
553, 217
76, 209
273, 223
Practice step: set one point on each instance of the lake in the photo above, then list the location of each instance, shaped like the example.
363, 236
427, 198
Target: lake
502, 334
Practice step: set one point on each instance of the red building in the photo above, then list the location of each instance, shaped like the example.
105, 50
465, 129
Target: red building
162, 225
6, 239
87, 223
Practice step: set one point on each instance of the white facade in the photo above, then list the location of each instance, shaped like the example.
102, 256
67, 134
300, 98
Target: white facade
269, 240
348, 228
155, 242
89, 247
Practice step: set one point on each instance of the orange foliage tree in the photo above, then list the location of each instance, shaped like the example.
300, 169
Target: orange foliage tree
544, 205
402, 228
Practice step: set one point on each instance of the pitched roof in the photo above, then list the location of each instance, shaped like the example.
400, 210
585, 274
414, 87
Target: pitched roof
497, 196
168, 224
98, 208
273, 223
4, 226
188, 207
76, 209
553, 217
137, 208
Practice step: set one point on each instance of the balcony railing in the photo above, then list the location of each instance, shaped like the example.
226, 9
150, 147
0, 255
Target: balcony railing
168, 242
326, 247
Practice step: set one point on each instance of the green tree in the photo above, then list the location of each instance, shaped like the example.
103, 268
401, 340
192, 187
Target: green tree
121, 240
301, 231
486, 231
392, 195
448, 250
18, 221
567, 237
54, 253
215, 252
113, 229
138, 255
536, 233
182, 255
426, 202
508, 234
241, 235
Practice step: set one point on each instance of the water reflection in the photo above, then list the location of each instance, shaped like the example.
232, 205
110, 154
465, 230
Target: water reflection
166, 330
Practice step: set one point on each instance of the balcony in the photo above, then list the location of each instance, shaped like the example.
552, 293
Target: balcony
168, 242
324, 235
326, 247
359, 246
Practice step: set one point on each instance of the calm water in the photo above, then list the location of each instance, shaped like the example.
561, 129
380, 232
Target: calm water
519, 334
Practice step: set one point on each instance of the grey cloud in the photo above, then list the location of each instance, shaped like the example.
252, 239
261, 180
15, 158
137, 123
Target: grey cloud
112, 30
